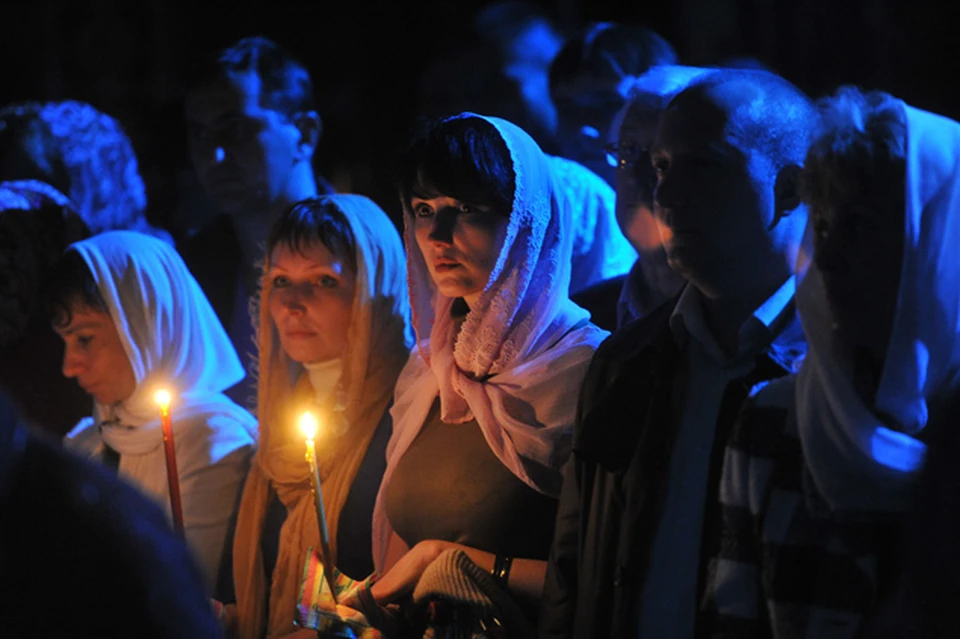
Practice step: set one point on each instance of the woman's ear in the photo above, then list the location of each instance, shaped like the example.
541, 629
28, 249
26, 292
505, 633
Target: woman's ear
786, 192
310, 127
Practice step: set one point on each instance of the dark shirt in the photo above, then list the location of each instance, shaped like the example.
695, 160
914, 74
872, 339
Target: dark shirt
214, 258
601, 300
616, 481
450, 486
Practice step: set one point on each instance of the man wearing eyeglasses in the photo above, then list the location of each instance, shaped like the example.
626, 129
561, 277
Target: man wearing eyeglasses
651, 281
640, 509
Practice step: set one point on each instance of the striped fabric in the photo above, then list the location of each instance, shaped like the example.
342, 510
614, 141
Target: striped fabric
781, 566
316, 609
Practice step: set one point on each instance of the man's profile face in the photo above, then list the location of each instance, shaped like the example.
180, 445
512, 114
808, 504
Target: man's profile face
714, 193
635, 178
243, 152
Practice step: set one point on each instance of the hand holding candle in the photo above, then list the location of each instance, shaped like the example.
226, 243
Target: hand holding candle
163, 398
309, 426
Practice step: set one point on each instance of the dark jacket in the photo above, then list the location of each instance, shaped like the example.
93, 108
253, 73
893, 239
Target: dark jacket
601, 300
214, 258
616, 481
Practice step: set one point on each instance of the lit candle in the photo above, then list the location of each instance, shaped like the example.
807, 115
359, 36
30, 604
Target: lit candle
162, 398
309, 427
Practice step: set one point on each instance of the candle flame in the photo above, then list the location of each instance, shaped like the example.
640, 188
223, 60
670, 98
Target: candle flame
162, 398
309, 425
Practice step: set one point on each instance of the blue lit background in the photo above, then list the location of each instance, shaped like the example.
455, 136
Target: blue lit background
128, 58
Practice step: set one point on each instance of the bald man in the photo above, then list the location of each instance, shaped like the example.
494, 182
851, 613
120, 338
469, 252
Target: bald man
662, 394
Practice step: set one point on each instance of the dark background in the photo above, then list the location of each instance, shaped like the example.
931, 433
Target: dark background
128, 58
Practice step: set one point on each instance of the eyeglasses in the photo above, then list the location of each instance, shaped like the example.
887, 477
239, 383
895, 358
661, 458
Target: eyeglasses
625, 155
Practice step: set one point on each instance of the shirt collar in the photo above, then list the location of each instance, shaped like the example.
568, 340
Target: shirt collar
687, 319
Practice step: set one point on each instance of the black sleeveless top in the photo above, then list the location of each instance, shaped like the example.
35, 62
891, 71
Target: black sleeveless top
450, 486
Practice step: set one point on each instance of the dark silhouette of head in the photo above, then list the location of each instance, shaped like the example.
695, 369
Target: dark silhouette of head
589, 84
253, 127
83, 153
728, 153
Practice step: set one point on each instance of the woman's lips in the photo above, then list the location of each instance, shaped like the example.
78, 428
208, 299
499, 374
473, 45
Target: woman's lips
442, 266
299, 334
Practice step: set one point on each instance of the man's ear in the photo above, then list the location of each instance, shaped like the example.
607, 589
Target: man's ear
310, 126
786, 192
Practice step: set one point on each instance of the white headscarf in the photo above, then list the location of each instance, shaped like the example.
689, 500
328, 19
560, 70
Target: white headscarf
171, 336
600, 250
857, 463
521, 354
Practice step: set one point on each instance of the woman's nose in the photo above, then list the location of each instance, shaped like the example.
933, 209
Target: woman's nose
72, 364
443, 224
294, 296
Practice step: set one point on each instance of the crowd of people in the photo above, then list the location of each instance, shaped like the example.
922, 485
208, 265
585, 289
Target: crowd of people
655, 350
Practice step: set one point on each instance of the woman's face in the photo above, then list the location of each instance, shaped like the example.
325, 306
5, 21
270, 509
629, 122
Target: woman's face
460, 243
311, 301
858, 249
94, 356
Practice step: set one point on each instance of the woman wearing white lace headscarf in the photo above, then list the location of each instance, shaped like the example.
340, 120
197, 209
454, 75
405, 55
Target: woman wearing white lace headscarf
822, 464
485, 406
133, 320
334, 334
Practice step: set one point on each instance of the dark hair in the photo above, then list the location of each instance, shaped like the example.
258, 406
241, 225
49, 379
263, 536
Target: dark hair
860, 147
315, 219
285, 82
37, 223
500, 23
778, 119
81, 152
463, 158
608, 50
71, 283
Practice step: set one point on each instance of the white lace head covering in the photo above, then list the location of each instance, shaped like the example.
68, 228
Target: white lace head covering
170, 334
518, 360
858, 463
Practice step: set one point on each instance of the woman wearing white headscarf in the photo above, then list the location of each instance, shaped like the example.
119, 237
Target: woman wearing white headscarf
134, 320
823, 465
485, 406
334, 334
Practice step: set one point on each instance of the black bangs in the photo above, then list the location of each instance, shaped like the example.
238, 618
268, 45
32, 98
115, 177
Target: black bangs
462, 158
70, 284
315, 219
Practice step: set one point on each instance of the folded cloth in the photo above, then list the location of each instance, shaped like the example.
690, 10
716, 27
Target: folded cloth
317, 610
452, 578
